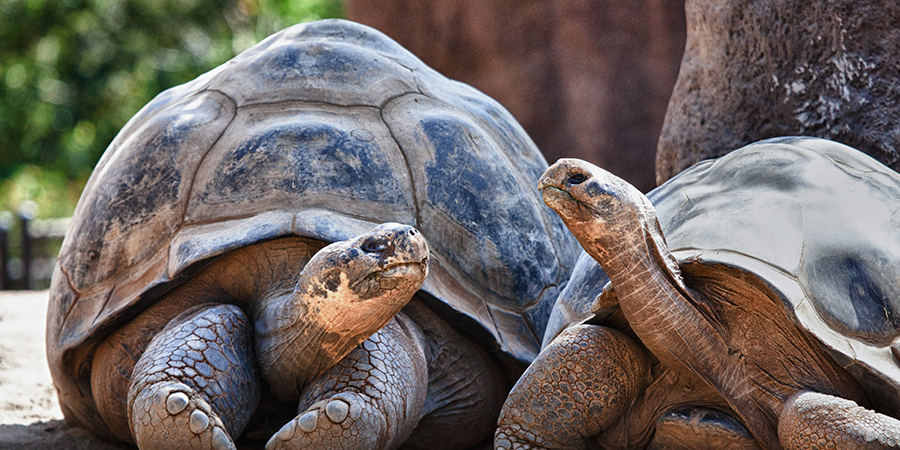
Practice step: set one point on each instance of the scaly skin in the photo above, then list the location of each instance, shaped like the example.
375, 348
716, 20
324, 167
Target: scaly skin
416, 382
371, 399
777, 400
416, 378
187, 362
813, 421
578, 386
196, 385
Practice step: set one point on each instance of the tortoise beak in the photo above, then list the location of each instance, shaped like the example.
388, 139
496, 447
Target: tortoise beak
557, 175
557, 199
552, 177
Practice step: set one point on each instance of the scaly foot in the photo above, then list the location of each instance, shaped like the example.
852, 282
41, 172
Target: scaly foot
167, 416
372, 399
577, 386
195, 385
347, 420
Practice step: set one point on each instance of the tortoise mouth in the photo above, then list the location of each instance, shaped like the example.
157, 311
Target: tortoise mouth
403, 269
564, 203
393, 275
551, 192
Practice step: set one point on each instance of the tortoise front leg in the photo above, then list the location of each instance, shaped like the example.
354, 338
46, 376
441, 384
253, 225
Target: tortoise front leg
579, 385
372, 399
195, 386
811, 420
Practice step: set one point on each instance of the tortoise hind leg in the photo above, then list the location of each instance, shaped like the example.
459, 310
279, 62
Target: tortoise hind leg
579, 385
811, 420
372, 399
195, 386
466, 386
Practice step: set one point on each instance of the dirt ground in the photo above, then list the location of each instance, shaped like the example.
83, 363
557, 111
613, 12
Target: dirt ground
29, 414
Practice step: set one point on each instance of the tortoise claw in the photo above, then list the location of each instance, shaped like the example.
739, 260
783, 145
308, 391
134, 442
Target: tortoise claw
348, 420
167, 416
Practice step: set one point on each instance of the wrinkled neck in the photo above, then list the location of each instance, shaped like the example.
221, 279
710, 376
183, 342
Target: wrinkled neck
631, 247
652, 294
302, 333
293, 341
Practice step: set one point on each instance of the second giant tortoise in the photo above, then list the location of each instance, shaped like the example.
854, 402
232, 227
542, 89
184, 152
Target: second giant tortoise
213, 198
767, 290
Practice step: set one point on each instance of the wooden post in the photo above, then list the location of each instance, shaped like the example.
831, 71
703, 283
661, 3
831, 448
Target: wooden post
5, 282
24, 219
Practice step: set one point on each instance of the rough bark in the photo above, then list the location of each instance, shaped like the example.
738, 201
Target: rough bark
586, 79
755, 69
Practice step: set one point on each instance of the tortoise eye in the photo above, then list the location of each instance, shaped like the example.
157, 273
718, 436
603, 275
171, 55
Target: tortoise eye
375, 246
577, 178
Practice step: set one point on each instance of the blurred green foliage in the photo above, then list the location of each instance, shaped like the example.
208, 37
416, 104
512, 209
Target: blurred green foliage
72, 72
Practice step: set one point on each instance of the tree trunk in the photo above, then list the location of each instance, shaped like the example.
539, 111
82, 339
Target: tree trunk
755, 69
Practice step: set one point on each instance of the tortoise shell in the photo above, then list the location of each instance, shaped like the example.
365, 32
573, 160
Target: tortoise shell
817, 221
322, 130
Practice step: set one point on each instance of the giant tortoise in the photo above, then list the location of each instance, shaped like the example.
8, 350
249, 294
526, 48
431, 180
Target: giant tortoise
192, 234
773, 299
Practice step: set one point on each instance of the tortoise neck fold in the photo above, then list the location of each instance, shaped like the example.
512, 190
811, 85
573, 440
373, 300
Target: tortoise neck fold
654, 299
294, 342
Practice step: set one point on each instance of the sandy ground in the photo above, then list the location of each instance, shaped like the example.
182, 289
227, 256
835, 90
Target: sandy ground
29, 414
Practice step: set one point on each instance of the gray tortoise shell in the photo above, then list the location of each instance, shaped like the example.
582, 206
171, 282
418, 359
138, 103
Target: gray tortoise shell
322, 130
818, 221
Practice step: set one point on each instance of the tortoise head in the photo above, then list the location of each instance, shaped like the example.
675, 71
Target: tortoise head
345, 293
595, 205
608, 216
374, 270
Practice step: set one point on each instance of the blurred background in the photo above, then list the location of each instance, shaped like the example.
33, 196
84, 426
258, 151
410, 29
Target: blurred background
586, 78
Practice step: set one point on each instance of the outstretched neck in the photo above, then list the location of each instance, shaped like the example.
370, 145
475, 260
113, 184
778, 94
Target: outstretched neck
654, 299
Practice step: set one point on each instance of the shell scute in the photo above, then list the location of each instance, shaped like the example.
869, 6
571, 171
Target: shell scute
136, 200
314, 71
300, 156
492, 228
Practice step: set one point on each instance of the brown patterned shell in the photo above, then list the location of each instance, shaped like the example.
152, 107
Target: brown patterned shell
322, 130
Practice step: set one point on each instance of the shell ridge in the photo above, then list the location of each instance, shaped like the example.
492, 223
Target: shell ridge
190, 190
412, 179
106, 300
62, 323
193, 176
501, 339
317, 102
694, 254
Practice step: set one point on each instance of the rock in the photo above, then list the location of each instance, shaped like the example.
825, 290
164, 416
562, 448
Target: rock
586, 79
763, 68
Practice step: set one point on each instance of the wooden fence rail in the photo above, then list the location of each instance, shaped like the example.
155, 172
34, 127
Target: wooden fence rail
28, 249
